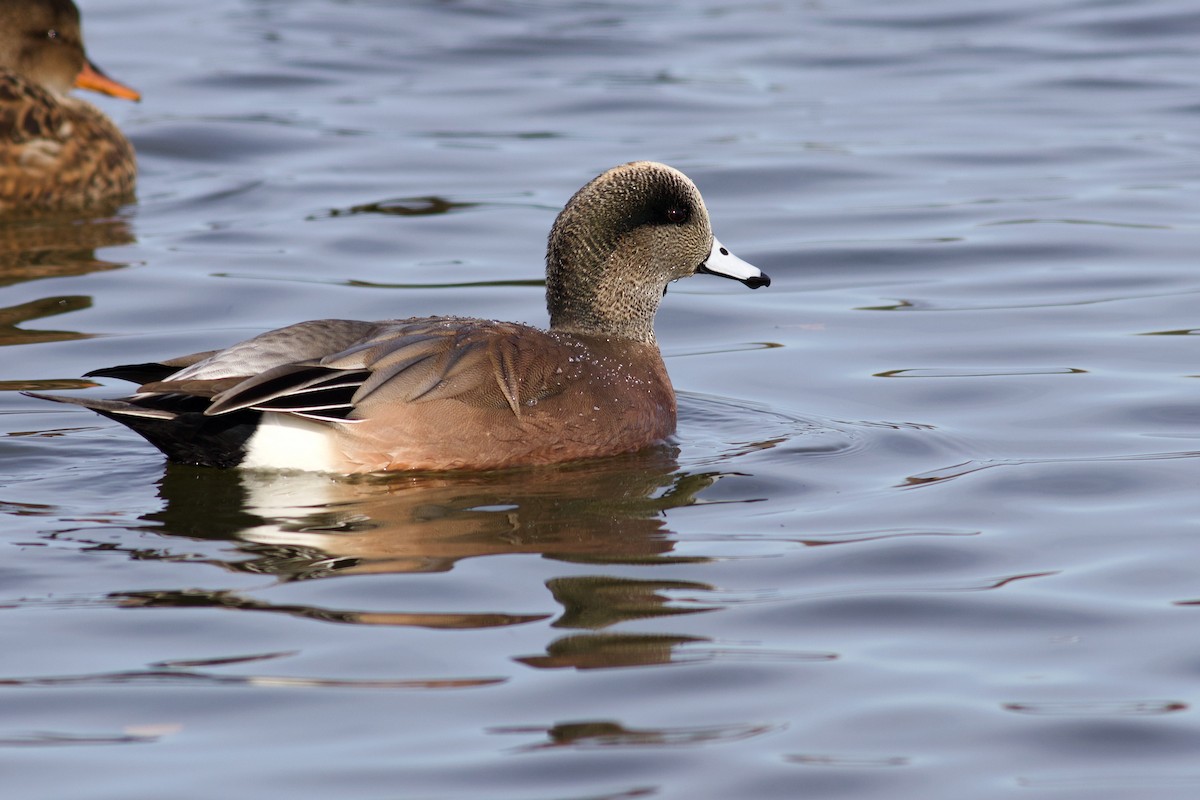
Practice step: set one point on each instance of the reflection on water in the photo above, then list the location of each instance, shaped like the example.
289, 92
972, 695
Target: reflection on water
199, 598
57, 247
158, 675
605, 733
1099, 708
51, 247
13, 317
48, 739
403, 207
310, 526
600, 601
613, 650
306, 526
299, 526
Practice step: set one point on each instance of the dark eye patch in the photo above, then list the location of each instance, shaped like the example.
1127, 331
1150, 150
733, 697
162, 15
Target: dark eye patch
677, 215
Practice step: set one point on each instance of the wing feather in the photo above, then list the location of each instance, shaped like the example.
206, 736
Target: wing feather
342, 371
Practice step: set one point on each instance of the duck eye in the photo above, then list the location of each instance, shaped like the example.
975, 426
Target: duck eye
52, 34
677, 215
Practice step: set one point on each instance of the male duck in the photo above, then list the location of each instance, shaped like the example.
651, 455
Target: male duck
56, 151
440, 393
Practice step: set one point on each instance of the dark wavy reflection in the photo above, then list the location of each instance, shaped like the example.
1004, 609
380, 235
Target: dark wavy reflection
179, 676
303, 526
52, 739
11, 332
606, 733
598, 601
200, 598
424, 206
612, 650
52, 246
309, 526
57, 246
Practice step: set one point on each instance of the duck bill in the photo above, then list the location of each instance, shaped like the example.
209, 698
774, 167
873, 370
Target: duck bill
92, 77
725, 264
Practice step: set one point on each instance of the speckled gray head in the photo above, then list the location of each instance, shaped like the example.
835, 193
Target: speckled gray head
618, 243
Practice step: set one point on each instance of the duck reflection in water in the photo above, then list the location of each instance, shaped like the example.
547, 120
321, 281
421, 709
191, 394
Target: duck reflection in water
53, 247
58, 246
607, 511
300, 526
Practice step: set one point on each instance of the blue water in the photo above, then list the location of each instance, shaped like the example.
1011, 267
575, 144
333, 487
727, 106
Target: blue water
928, 527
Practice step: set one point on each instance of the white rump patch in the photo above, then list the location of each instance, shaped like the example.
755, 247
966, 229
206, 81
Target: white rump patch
283, 441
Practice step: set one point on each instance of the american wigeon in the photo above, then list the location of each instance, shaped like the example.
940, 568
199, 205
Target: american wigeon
453, 393
56, 151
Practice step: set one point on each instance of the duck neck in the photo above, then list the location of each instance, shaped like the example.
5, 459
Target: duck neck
606, 302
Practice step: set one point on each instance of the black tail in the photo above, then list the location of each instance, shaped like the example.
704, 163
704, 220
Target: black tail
177, 426
135, 373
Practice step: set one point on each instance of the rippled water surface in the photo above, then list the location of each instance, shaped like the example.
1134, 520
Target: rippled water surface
929, 527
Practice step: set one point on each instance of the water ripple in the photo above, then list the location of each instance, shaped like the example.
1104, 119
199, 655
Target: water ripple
973, 466
174, 676
603, 734
1098, 708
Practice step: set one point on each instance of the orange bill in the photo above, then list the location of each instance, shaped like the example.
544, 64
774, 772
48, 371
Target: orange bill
91, 77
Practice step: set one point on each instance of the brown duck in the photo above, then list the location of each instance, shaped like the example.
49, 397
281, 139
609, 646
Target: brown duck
56, 151
434, 393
